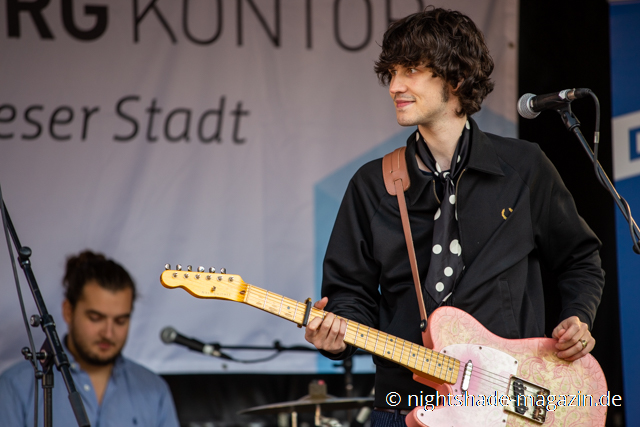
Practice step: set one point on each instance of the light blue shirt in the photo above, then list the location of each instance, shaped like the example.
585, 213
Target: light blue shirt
134, 397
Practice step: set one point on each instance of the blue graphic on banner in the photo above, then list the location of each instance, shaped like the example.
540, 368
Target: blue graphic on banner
625, 57
625, 63
629, 289
634, 143
328, 195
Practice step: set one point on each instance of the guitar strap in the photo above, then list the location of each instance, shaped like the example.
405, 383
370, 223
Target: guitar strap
396, 181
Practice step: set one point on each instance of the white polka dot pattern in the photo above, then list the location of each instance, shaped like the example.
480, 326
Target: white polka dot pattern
446, 263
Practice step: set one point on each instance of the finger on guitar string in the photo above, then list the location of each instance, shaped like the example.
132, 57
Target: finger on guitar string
326, 334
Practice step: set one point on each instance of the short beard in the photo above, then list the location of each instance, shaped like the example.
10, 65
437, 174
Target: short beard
89, 358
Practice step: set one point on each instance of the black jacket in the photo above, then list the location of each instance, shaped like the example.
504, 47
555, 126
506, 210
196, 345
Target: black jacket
367, 275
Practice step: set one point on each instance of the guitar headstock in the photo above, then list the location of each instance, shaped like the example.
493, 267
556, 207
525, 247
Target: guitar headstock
205, 284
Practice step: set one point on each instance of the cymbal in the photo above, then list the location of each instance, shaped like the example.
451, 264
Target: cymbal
308, 403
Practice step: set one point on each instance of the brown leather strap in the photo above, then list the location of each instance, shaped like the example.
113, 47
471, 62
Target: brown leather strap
396, 181
394, 167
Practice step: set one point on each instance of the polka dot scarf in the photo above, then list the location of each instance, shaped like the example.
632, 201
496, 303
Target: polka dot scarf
446, 254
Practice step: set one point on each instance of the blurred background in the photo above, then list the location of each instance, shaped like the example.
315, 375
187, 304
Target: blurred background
223, 134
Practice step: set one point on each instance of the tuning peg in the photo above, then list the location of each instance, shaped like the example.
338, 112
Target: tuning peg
189, 268
167, 266
212, 270
179, 267
223, 270
201, 269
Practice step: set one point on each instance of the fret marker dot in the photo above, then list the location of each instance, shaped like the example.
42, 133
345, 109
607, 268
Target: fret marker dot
361, 335
388, 352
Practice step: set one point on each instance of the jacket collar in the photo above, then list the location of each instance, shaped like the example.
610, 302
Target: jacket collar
483, 158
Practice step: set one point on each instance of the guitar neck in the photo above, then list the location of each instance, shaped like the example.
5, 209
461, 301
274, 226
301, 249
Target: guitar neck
417, 358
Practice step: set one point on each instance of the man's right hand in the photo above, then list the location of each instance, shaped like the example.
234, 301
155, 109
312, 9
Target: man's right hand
327, 334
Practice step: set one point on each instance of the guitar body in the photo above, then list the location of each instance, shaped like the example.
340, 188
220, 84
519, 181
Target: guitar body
496, 362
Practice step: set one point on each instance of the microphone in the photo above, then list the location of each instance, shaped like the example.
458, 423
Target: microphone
530, 105
170, 335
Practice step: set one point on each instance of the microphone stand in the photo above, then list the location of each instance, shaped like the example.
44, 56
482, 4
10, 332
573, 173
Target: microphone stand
51, 352
277, 347
572, 124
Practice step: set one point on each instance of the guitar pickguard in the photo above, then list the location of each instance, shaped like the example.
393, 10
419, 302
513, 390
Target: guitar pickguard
492, 370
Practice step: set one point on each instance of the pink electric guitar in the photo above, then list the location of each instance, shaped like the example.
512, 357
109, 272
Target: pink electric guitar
491, 381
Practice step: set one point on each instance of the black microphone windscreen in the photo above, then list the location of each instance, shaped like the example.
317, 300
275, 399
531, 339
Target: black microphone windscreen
168, 335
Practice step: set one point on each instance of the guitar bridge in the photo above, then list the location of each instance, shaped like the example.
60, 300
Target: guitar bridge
527, 400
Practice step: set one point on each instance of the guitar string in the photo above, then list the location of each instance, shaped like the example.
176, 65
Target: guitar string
442, 362
491, 378
490, 375
488, 390
487, 376
501, 383
479, 390
503, 388
279, 299
275, 299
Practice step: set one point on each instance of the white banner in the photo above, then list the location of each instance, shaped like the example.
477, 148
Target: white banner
214, 133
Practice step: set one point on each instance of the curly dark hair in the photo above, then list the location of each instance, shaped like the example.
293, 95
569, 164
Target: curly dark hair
448, 43
89, 266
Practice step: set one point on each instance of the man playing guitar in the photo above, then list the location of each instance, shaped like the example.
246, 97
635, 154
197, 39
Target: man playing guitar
485, 212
